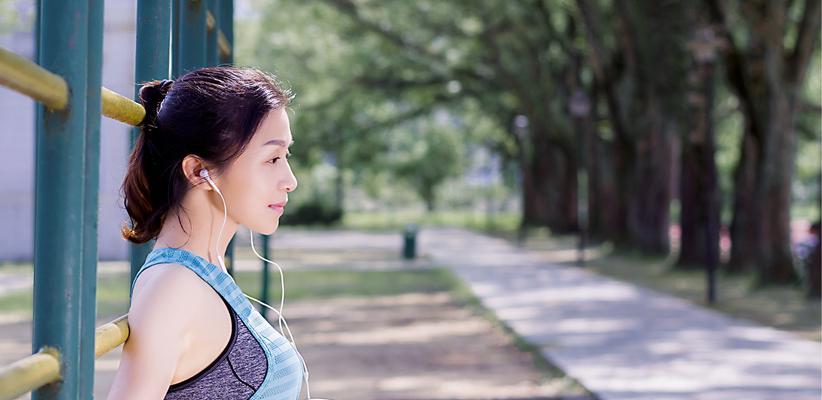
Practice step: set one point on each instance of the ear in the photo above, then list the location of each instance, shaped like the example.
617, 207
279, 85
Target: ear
191, 166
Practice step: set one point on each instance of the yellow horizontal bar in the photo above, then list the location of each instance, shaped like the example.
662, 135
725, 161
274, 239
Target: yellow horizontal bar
32, 80
121, 108
29, 373
225, 46
222, 41
43, 367
28, 78
110, 335
210, 21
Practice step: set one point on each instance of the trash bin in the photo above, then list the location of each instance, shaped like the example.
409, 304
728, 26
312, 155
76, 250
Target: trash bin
409, 248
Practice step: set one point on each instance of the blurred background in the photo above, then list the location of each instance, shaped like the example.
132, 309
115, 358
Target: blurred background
671, 146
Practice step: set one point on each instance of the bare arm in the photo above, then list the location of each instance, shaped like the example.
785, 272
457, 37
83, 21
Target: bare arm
158, 318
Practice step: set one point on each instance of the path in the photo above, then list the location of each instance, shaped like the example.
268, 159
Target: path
625, 342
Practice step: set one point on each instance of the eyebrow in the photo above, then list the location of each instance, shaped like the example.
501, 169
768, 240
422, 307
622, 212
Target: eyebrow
277, 142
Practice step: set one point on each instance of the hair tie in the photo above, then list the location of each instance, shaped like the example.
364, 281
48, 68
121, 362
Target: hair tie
164, 87
155, 93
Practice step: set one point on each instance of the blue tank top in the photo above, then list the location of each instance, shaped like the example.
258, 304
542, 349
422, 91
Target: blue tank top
257, 363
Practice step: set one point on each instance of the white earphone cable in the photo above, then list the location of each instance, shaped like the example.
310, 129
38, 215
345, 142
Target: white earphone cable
280, 318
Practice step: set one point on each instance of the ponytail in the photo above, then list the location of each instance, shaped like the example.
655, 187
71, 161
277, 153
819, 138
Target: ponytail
145, 213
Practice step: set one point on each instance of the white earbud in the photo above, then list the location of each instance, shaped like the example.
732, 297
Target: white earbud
204, 174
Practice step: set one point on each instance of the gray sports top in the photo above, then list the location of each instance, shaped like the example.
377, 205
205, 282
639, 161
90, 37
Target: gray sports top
235, 374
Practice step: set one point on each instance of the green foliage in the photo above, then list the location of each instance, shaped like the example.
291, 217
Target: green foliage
370, 76
431, 156
313, 212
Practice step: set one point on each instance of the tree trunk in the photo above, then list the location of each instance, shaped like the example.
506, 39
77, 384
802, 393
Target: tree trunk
549, 189
761, 234
650, 187
699, 191
603, 197
743, 225
642, 113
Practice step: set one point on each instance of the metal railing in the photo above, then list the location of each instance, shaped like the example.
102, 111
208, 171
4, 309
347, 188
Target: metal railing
70, 57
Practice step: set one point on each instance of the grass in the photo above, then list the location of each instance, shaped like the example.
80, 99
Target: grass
113, 289
395, 221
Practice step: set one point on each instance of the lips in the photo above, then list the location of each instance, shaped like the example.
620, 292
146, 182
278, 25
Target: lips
278, 206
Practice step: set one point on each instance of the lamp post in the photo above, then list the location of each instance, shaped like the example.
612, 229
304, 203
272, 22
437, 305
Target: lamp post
520, 128
580, 108
703, 47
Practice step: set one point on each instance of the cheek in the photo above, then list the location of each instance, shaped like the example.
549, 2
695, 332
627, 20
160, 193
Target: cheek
254, 187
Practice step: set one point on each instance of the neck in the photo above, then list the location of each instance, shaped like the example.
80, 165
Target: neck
202, 226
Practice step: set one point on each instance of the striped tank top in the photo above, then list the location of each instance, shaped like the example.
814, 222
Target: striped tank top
257, 363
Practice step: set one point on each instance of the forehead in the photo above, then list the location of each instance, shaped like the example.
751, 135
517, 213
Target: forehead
273, 131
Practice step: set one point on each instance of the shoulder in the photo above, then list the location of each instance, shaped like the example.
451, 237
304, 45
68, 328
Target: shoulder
165, 302
166, 292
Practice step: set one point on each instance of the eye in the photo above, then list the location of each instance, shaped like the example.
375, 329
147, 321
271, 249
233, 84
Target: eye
287, 156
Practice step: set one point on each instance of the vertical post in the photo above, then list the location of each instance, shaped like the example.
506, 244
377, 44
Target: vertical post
711, 182
59, 198
580, 107
191, 32
229, 255
212, 48
152, 53
226, 24
264, 291
91, 180
703, 47
174, 57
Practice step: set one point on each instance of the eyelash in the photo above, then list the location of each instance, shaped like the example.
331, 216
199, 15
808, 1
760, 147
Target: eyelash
287, 156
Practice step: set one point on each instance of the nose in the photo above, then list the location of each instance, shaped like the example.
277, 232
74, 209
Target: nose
290, 184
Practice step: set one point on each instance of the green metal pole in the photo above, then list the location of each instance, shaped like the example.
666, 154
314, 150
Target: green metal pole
191, 32
92, 191
59, 196
153, 35
264, 292
174, 57
212, 48
229, 256
226, 25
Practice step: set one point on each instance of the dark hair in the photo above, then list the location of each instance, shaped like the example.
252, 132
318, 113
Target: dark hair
211, 113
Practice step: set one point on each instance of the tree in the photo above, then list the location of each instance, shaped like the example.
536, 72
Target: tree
641, 75
699, 182
766, 74
432, 158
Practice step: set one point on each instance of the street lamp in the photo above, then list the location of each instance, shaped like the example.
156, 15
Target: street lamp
703, 47
580, 108
520, 129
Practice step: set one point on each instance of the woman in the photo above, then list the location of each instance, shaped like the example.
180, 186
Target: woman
211, 155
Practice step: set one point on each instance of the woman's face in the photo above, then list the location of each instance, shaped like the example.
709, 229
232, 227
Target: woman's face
261, 176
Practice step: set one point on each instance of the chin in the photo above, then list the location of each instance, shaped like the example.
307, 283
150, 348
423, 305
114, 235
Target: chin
271, 229
265, 229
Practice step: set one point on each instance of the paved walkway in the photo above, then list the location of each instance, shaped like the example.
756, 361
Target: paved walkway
625, 342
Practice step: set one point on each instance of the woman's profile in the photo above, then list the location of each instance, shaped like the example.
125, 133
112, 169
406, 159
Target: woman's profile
211, 156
